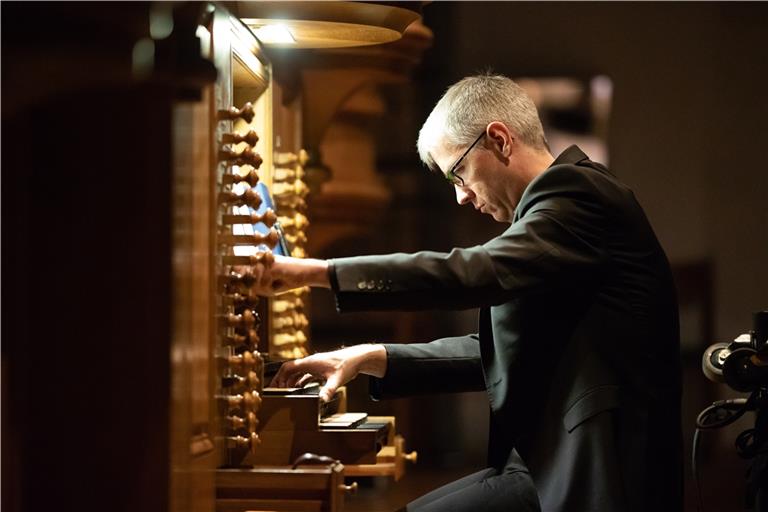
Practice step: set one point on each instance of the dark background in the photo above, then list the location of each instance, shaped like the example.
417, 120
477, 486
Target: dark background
687, 125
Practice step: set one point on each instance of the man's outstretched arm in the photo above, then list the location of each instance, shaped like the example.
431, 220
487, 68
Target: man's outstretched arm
283, 273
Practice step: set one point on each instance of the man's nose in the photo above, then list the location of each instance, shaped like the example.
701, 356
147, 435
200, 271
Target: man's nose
463, 195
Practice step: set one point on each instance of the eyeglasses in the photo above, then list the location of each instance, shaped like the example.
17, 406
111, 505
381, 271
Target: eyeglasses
451, 175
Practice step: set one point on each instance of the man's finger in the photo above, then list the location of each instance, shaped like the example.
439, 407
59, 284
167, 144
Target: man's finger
327, 391
285, 371
304, 380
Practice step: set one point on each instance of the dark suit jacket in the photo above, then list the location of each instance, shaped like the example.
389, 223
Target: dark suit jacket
578, 342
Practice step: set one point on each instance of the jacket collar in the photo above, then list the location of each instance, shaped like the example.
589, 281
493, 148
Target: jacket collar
571, 155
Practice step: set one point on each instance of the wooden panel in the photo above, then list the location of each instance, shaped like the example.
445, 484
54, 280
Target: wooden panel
303, 489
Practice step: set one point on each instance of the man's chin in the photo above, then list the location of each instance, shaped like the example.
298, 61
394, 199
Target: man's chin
499, 216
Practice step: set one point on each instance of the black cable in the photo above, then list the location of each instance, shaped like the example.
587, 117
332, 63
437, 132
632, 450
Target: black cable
695, 468
725, 412
717, 415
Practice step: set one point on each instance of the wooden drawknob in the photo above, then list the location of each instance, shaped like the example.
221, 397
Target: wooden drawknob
298, 239
298, 188
286, 159
268, 218
246, 319
250, 442
411, 457
251, 399
349, 489
246, 157
252, 178
250, 380
250, 138
281, 306
270, 239
250, 422
251, 339
247, 298
246, 360
246, 113
297, 221
249, 197
280, 175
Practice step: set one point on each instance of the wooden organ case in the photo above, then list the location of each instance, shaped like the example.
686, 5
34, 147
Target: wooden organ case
132, 226
274, 449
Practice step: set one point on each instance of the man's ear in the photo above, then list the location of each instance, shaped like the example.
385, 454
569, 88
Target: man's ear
502, 138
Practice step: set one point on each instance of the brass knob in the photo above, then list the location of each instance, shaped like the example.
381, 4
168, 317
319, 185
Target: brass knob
246, 113
252, 178
264, 257
350, 490
270, 239
249, 198
250, 138
411, 457
245, 157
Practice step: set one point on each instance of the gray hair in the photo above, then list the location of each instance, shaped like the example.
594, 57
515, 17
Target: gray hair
468, 106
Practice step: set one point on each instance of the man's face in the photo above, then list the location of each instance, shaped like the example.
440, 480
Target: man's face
488, 185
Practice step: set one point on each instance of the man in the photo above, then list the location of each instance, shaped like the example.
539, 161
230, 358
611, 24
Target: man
577, 342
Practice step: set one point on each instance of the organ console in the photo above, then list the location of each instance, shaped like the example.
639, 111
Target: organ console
153, 279
258, 177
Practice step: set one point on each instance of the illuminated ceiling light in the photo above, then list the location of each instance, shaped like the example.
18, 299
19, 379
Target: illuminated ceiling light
330, 24
274, 34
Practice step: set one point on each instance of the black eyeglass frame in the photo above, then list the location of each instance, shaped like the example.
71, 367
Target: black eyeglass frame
451, 175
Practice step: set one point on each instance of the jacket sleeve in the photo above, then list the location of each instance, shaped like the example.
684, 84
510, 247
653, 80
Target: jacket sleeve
447, 365
559, 238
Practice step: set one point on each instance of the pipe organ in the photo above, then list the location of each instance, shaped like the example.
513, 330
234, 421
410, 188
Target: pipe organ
265, 438
136, 233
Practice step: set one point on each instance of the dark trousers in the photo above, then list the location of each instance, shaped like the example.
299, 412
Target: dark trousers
488, 490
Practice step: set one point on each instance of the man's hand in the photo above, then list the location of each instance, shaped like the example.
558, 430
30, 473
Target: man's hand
336, 368
273, 277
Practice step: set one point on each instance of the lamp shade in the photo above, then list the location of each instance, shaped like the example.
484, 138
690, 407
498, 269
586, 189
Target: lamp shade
327, 24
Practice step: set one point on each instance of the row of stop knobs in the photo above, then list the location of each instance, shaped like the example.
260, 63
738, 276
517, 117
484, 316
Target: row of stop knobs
239, 399
289, 321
